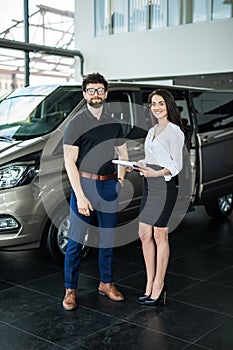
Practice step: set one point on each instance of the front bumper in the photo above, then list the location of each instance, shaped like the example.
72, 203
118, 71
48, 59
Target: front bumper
22, 217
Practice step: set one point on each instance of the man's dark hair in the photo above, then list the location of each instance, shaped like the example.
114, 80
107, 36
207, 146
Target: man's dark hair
94, 78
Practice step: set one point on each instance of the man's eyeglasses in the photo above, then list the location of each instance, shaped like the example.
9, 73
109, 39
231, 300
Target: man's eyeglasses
91, 91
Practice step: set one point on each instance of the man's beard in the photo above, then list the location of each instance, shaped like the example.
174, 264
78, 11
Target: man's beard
96, 104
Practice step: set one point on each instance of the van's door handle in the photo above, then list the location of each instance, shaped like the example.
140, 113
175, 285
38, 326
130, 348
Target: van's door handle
139, 148
205, 139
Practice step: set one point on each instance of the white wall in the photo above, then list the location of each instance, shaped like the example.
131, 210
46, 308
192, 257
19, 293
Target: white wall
198, 48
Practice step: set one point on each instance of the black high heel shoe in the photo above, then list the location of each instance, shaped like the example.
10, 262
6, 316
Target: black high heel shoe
155, 302
143, 298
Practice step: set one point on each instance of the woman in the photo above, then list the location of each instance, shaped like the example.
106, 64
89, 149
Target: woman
163, 161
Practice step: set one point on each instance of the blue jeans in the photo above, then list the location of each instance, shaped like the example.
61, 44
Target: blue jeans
103, 196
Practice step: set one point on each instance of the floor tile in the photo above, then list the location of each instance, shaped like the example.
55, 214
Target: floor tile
18, 302
196, 347
120, 269
220, 338
25, 270
225, 277
228, 244
5, 285
64, 328
179, 320
54, 285
6, 257
204, 230
136, 281
101, 303
124, 335
199, 268
177, 283
181, 248
15, 339
131, 254
36, 254
210, 296
214, 254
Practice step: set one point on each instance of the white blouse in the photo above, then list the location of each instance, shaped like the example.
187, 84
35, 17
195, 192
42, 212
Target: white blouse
166, 150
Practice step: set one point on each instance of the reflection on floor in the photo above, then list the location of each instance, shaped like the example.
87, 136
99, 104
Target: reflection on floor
198, 314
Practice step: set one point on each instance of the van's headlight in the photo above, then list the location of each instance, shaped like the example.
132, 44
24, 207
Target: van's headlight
8, 223
16, 174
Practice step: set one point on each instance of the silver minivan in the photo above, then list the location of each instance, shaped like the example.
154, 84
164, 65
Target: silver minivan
34, 189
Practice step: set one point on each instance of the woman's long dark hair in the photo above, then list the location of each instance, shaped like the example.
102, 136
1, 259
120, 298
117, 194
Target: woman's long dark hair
173, 111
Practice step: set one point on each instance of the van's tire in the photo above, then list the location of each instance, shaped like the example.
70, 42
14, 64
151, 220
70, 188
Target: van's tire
220, 207
56, 237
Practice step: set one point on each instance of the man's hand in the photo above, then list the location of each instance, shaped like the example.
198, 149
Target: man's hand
121, 180
84, 206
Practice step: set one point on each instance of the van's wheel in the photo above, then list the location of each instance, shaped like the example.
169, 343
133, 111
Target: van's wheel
57, 237
220, 207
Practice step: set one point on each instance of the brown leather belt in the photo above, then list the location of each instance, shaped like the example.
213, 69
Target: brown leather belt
97, 177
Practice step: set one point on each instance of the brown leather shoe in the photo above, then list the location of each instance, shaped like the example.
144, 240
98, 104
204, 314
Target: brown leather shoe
110, 291
69, 302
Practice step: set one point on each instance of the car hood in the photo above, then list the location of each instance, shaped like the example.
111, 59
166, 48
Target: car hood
12, 150
4, 145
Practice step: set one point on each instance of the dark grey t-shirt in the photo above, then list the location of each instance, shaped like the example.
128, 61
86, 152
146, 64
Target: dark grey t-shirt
96, 140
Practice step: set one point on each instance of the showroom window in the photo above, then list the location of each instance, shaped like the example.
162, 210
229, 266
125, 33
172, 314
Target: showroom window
120, 16
111, 17
222, 9
188, 11
102, 15
138, 15
201, 11
146, 14
158, 14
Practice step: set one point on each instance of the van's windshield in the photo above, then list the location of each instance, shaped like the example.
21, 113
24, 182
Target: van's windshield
35, 111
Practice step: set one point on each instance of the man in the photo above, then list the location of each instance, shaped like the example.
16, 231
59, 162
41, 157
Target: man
90, 141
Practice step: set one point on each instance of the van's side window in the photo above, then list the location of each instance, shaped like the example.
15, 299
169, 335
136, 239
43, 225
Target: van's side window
119, 106
149, 119
214, 110
53, 110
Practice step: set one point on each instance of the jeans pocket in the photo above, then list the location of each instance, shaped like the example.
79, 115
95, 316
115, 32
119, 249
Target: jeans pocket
109, 190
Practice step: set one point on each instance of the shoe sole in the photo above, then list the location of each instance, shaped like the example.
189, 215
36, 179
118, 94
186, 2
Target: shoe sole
105, 295
69, 309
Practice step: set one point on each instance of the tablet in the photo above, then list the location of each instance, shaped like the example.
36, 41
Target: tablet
127, 164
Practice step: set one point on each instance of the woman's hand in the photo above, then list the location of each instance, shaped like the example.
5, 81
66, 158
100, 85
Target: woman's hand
141, 165
149, 172
137, 166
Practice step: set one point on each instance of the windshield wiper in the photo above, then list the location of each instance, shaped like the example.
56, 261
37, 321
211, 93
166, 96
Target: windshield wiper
6, 138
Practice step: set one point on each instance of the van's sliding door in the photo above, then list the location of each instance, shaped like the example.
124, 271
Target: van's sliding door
214, 118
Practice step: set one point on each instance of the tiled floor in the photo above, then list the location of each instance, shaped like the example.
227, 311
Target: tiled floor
198, 314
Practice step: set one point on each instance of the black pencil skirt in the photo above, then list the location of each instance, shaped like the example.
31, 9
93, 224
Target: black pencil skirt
158, 200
